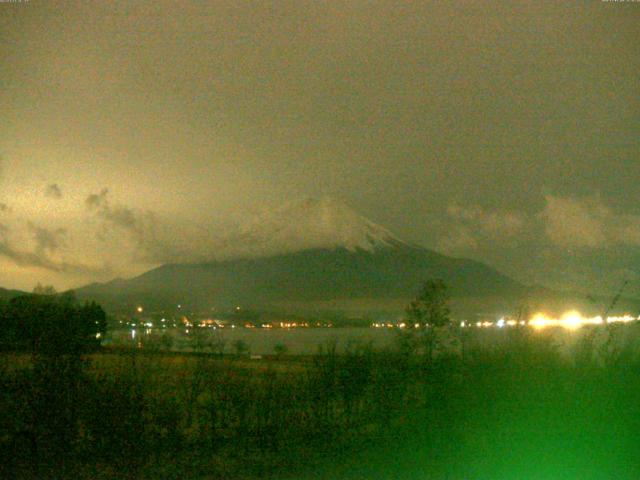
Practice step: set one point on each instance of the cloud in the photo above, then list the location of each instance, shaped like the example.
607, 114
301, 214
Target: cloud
97, 200
53, 191
587, 223
467, 228
457, 239
574, 222
29, 259
151, 239
32, 259
118, 216
47, 242
492, 223
568, 223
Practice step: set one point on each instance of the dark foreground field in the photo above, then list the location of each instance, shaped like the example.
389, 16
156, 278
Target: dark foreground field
518, 412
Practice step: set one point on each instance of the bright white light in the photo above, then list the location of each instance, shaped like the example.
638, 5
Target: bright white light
573, 320
500, 323
623, 319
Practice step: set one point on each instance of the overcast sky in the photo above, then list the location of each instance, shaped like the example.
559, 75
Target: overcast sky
506, 133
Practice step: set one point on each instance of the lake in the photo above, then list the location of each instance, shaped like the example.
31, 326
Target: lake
307, 341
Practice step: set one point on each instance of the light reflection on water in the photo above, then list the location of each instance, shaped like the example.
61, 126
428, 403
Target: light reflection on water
260, 341
307, 341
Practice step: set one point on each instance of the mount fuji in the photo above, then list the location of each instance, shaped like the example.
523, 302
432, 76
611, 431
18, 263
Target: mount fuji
323, 223
313, 254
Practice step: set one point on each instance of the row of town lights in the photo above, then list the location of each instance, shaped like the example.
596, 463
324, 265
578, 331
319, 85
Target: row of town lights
570, 320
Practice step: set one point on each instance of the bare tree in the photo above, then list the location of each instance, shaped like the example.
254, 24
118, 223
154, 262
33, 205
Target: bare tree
430, 311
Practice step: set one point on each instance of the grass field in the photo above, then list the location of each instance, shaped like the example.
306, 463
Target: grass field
518, 411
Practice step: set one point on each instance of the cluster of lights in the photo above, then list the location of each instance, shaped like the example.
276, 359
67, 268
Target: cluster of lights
215, 324
293, 324
571, 320
387, 325
212, 323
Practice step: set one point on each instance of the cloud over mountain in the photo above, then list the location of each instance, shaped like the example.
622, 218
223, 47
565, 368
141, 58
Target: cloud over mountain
588, 223
301, 225
470, 227
148, 238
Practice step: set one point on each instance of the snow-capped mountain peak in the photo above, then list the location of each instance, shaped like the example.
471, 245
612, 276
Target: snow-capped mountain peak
311, 223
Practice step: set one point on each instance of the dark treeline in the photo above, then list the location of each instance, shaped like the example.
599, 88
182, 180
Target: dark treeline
41, 402
50, 324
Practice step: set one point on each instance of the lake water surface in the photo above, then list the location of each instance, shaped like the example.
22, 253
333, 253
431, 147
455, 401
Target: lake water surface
307, 341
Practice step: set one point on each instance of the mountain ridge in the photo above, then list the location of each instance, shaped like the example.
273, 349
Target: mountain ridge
306, 276
309, 252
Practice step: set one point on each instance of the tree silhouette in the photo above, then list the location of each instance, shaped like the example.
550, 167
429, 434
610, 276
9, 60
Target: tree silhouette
430, 309
40, 289
51, 324
431, 305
